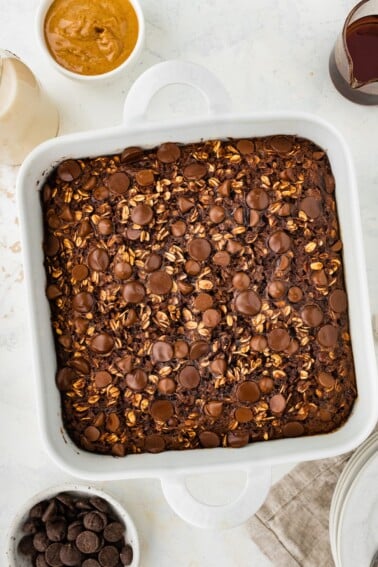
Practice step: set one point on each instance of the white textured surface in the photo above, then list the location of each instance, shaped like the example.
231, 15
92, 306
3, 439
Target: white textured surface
270, 55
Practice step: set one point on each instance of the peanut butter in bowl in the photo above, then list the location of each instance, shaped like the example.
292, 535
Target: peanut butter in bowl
91, 37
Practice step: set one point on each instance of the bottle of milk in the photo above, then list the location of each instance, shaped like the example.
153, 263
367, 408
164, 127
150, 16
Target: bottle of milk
27, 116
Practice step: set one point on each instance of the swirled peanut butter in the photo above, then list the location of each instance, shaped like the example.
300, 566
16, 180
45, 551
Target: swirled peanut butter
91, 37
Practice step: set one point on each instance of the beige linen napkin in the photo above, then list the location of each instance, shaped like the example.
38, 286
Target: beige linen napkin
291, 528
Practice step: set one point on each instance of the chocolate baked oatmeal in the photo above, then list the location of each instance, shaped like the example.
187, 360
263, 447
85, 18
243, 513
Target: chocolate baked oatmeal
197, 295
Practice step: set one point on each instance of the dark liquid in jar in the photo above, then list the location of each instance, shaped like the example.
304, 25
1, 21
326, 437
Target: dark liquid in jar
362, 42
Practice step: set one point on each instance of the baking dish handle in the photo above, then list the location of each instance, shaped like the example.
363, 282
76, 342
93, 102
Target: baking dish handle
171, 73
225, 516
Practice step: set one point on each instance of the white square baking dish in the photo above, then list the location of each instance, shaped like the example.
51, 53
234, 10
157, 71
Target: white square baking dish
172, 466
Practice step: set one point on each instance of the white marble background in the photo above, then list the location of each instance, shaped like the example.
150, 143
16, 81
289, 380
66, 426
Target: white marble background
271, 55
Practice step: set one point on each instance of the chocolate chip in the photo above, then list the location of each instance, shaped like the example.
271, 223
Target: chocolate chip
137, 380
98, 259
142, 214
154, 444
311, 207
25, 546
195, 171
74, 530
211, 318
192, 267
185, 204
94, 522
103, 379
222, 258
213, 409
258, 199
185, 288
82, 302
130, 155
41, 542
118, 183
92, 433
217, 214
166, 386
203, 301
160, 282
40, 560
209, 439
266, 385
85, 228
87, 542
69, 170
279, 242
52, 245
90, 563
312, 315
248, 392
178, 228
248, 303
133, 292
277, 403
50, 511
328, 335
181, 349
79, 272
122, 270
278, 339
241, 280
112, 423
126, 555
233, 246
56, 529
281, 144
237, 439
114, 532
153, 262
295, 294
293, 429
105, 227
198, 349
162, 351
245, 147
101, 193
52, 555
189, 377
69, 555
81, 365
224, 189
199, 249
168, 152
102, 343
145, 177
133, 233
218, 366
243, 415
30, 527
277, 289
326, 380
338, 301
161, 410
258, 343
64, 378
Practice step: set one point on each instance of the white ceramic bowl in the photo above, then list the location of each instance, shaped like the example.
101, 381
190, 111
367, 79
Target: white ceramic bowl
172, 467
127, 64
14, 559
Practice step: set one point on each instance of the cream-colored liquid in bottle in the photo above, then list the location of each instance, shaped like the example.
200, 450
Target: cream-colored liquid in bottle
27, 116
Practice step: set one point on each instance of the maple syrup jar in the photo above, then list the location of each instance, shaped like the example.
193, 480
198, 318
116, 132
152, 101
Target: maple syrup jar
353, 63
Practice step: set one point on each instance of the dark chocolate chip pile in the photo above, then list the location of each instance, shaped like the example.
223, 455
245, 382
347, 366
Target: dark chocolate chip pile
197, 295
71, 531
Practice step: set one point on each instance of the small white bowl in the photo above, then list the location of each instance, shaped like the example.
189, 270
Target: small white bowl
13, 557
127, 64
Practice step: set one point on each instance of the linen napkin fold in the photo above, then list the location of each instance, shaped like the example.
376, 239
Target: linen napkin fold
291, 528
